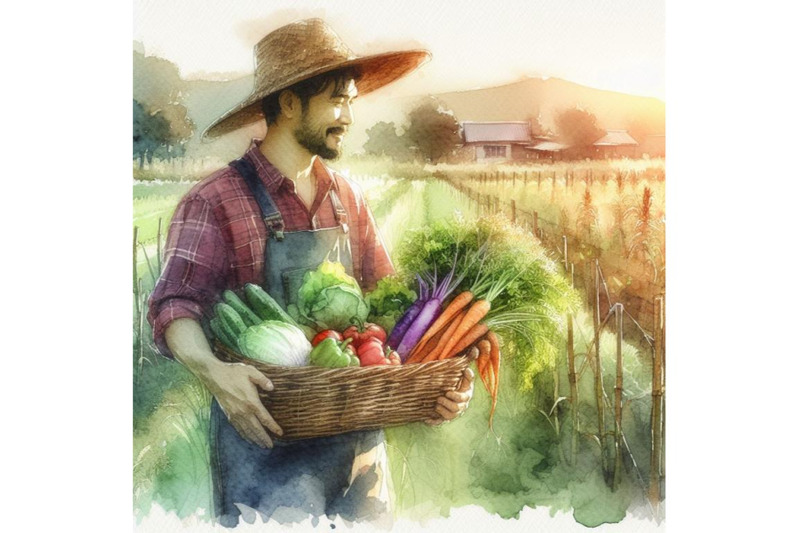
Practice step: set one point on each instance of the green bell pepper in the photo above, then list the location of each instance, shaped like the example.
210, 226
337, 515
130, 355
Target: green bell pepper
331, 354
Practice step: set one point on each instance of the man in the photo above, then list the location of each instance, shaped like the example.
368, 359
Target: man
279, 211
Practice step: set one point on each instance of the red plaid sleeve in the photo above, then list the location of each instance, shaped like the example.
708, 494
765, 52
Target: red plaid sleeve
196, 265
371, 261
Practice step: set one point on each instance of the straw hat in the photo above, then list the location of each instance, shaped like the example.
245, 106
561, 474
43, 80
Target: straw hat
301, 50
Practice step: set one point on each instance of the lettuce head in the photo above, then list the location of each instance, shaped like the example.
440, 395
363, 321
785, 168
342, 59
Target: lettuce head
330, 298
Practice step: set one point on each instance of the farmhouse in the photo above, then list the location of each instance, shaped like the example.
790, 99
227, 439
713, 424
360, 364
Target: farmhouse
500, 142
615, 143
497, 141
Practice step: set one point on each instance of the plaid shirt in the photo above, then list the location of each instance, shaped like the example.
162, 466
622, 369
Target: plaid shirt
217, 238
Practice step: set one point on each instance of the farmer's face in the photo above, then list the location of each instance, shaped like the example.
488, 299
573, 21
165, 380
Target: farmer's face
324, 121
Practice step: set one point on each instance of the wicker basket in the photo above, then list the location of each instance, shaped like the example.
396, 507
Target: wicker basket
313, 401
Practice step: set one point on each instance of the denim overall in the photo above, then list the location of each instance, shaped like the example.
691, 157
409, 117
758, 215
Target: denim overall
300, 479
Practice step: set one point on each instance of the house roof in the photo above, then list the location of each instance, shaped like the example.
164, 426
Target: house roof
547, 146
616, 138
514, 132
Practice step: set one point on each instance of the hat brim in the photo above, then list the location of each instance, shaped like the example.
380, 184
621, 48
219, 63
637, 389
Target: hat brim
376, 71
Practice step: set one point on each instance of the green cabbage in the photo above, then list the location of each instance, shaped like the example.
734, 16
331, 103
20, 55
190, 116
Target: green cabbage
275, 343
331, 299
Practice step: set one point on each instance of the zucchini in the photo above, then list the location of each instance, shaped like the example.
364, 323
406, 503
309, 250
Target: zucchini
247, 314
230, 319
221, 334
264, 305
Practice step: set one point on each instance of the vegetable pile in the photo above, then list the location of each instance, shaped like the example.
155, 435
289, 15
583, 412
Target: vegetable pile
331, 313
476, 283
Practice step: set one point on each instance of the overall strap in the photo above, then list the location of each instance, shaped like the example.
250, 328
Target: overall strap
269, 212
338, 209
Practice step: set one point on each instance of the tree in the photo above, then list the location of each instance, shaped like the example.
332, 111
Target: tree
161, 123
432, 130
383, 140
578, 128
151, 133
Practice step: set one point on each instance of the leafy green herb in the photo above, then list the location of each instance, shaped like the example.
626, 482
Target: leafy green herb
388, 301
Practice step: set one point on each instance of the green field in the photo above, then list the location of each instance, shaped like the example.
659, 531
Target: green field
527, 461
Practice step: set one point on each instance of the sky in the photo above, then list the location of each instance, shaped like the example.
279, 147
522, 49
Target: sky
617, 45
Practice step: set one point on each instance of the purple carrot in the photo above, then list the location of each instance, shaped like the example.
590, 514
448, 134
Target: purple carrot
425, 318
411, 313
404, 323
429, 313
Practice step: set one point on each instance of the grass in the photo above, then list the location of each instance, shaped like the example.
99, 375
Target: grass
433, 470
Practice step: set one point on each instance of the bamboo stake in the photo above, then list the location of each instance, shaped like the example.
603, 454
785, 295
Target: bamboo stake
573, 388
656, 418
618, 402
158, 244
536, 223
149, 266
513, 211
135, 267
556, 421
663, 404
140, 331
566, 261
598, 376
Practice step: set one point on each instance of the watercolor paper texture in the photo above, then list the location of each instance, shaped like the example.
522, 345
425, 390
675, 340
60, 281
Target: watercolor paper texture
541, 124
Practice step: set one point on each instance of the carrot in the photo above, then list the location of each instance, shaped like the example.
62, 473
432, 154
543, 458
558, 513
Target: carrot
494, 360
450, 312
466, 341
417, 355
476, 312
436, 351
420, 353
483, 360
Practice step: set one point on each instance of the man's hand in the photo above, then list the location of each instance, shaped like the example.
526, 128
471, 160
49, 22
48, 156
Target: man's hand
234, 387
454, 402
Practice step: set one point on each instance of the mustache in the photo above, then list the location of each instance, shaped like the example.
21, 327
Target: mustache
338, 130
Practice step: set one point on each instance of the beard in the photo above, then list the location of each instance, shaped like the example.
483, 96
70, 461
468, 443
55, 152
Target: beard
315, 140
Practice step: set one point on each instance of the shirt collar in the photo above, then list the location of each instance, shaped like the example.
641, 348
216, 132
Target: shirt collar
272, 177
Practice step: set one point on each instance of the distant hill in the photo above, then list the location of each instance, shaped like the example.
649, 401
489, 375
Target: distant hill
526, 99
522, 100
545, 98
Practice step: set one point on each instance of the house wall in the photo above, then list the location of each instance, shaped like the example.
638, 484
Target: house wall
518, 152
542, 155
480, 152
612, 152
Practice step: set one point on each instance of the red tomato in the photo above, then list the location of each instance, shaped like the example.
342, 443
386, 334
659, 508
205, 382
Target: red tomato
370, 352
369, 331
326, 334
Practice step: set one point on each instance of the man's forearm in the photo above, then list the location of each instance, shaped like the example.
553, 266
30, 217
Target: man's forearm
187, 342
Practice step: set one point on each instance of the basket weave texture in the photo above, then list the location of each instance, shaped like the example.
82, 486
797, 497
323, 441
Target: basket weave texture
313, 401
